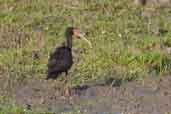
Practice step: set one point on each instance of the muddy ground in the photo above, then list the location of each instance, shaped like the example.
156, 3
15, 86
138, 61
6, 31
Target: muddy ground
150, 96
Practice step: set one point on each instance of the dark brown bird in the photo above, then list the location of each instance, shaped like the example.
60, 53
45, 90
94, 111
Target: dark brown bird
61, 59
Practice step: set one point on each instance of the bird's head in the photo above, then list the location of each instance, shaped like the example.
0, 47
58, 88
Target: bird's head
76, 32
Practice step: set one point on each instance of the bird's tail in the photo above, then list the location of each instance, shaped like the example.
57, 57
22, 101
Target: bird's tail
51, 76
47, 77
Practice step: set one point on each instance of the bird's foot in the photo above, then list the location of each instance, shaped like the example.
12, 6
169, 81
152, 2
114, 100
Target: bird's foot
66, 92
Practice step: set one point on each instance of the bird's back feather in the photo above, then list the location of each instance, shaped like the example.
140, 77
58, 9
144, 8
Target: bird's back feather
60, 61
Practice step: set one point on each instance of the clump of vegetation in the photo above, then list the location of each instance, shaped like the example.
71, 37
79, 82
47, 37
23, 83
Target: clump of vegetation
13, 109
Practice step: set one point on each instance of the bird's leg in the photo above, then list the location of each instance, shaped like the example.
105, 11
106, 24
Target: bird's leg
67, 89
66, 77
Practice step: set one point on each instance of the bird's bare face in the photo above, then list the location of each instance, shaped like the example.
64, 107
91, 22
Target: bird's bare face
78, 34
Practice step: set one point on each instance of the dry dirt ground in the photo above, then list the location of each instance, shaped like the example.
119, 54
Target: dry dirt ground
150, 96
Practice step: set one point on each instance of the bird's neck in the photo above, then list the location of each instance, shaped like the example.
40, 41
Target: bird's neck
69, 42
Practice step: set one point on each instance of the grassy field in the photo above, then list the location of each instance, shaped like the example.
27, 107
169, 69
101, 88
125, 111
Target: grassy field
129, 42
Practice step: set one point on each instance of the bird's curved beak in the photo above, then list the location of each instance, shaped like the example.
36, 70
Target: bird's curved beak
82, 37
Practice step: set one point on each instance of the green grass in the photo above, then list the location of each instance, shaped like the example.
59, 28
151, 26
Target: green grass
13, 109
124, 42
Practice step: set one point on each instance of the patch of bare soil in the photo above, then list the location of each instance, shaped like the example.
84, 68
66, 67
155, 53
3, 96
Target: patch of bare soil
150, 96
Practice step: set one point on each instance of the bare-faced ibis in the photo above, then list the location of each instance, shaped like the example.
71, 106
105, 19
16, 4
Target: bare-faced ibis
61, 59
